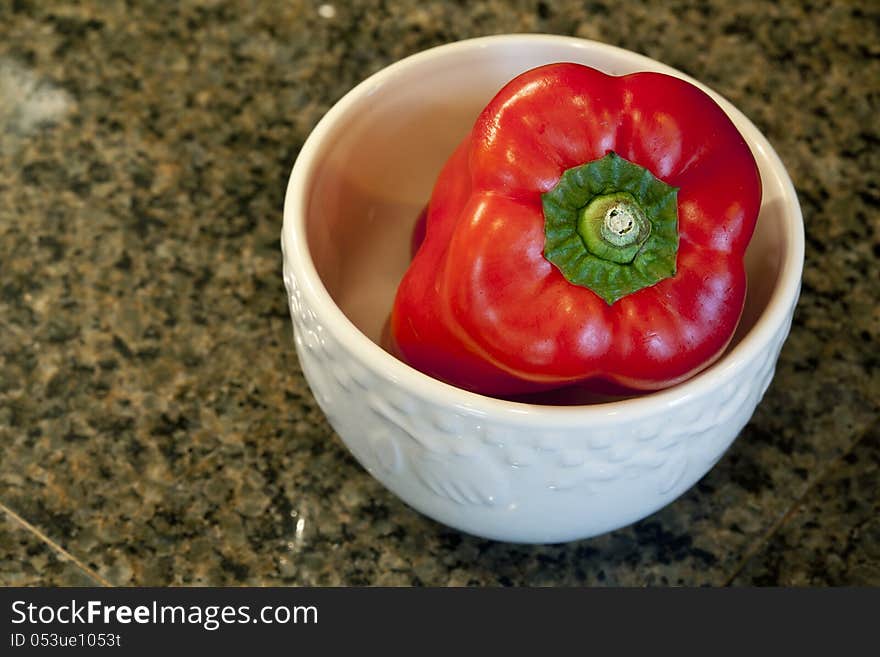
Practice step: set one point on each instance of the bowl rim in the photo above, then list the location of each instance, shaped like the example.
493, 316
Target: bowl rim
298, 257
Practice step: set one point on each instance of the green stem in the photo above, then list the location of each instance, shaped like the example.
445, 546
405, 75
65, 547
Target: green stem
612, 227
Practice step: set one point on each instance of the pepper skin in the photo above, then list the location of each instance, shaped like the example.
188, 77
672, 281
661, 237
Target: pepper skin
481, 305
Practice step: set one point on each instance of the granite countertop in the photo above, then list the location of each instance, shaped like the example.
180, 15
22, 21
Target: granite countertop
155, 426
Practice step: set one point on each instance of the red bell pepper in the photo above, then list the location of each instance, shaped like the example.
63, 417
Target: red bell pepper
590, 228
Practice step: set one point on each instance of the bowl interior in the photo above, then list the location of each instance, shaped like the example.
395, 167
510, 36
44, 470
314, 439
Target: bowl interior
385, 143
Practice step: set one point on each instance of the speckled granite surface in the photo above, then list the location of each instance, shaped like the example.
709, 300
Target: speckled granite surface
154, 424
30, 558
832, 537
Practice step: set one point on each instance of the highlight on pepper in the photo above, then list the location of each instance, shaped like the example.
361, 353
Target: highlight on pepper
590, 229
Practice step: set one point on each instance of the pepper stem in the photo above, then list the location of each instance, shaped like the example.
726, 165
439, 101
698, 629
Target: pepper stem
619, 226
612, 227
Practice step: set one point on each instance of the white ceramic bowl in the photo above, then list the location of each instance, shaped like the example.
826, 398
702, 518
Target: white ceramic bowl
503, 470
